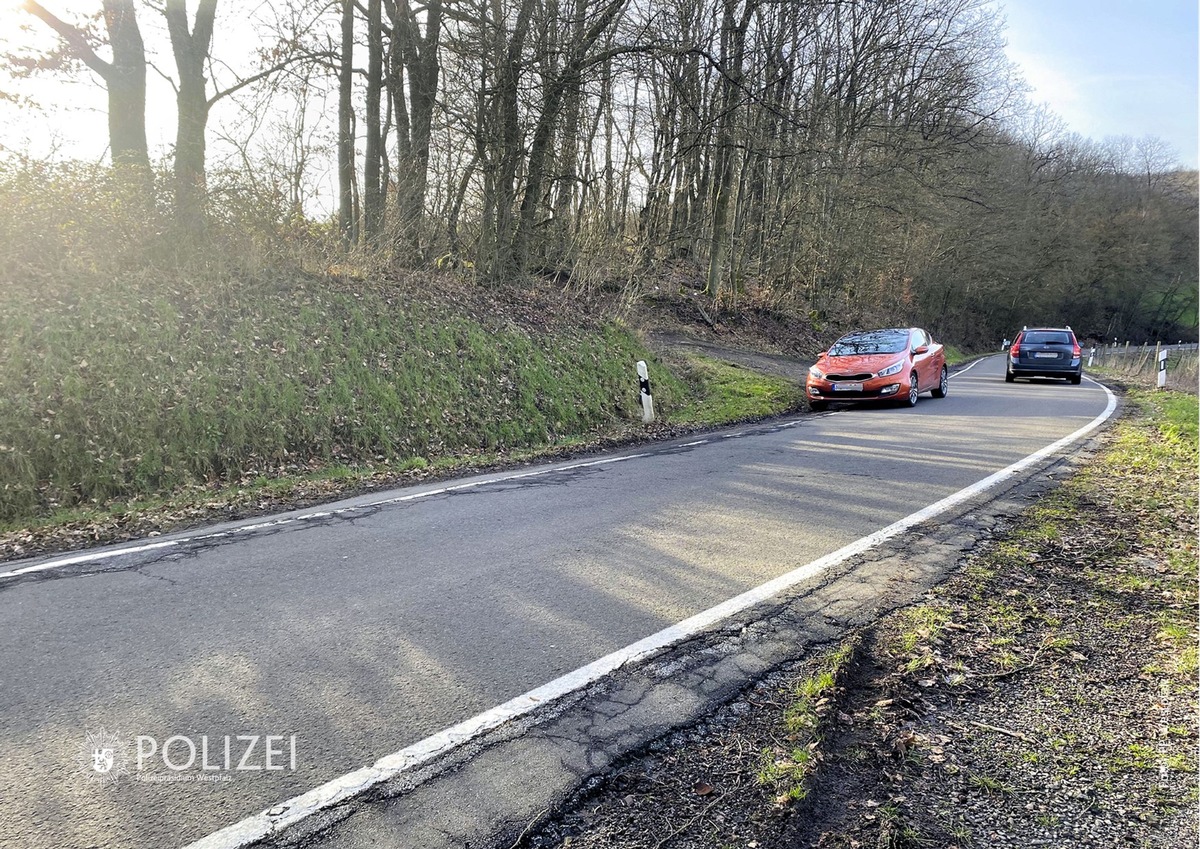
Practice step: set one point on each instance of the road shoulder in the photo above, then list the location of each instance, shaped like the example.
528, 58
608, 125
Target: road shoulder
1043, 695
520, 783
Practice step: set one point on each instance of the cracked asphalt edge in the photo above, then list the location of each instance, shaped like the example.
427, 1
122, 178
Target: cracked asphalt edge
494, 788
190, 544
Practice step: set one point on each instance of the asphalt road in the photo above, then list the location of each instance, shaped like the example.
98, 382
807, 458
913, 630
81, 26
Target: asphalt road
360, 632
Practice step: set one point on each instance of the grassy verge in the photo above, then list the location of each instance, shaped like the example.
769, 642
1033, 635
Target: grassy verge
955, 357
135, 407
132, 392
724, 392
1047, 692
787, 767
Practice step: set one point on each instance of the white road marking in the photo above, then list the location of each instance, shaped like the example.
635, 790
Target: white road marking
87, 558
346, 787
971, 366
90, 557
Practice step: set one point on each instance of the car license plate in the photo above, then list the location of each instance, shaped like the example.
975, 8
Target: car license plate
1046, 355
847, 387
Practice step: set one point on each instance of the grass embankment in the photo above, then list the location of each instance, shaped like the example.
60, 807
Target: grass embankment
133, 393
134, 381
726, 392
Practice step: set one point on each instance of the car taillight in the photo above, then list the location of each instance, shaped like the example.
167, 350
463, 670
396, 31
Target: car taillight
1015, 350
1077, 352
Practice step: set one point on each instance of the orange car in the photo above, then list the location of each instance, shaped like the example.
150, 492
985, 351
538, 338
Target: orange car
878, 365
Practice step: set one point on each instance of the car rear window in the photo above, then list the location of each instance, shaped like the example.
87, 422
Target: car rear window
1047, 337
871, 342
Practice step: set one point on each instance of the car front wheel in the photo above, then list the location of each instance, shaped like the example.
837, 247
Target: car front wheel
914, 390
943, 384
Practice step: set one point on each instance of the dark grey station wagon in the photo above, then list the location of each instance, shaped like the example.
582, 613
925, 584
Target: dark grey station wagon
1045, 352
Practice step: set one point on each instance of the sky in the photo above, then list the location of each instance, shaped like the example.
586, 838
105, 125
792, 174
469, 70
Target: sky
1105, 67
1112, 67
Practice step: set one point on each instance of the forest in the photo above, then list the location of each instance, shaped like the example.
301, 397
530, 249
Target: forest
835, 159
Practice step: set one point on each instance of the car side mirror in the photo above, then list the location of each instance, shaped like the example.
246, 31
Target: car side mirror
921, 349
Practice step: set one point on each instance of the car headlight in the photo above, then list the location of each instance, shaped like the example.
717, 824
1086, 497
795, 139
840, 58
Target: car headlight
895, 369
816, 373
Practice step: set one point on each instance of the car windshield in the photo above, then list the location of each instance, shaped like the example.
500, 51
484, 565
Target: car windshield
1047, 337
871, 342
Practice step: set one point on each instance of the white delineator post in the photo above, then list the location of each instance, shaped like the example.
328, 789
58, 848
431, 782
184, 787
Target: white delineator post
1162, 368
1091, 356
644, 386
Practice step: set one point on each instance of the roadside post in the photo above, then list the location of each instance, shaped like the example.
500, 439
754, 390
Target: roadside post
1161, 356
1091, 356
644, 388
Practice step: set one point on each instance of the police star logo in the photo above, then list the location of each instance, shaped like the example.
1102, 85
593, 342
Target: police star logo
103, 757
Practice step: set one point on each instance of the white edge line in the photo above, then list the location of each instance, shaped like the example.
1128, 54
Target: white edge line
970, 366
342, 789
86, 558
104, 555
91, 557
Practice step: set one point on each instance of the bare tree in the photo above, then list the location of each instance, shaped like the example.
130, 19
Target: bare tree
373, 155
190, 45
345, 147
124, 76
414, 68
557, 82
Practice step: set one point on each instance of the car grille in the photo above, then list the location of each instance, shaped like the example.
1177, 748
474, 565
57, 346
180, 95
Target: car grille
850, 378
856, 396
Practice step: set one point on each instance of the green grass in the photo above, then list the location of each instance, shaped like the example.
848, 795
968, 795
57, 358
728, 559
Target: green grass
788, 771
954, 356
988, 784
1123, 526
920, 625
728, 393
126, 391
1151, 465
1175, 412
133, 394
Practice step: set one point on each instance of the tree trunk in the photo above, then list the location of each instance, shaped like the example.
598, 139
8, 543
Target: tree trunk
372, 189
556, 87
126, 86
500, 141
190, 46
345, 144
414, 58
124, 77
733, 40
